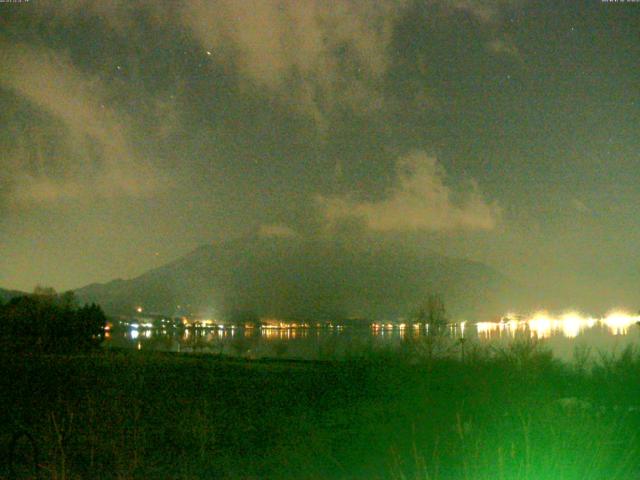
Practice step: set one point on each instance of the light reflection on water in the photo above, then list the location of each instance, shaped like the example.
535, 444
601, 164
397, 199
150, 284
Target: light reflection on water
561, 333
541, 325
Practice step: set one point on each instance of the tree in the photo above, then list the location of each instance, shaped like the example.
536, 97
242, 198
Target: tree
437, 343
45, 292
68, 300
433, 313
47, 322
91, 322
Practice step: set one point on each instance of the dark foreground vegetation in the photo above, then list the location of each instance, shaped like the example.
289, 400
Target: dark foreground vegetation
45, 322
515, 414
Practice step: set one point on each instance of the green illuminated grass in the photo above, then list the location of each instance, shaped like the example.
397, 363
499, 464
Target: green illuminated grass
515, 414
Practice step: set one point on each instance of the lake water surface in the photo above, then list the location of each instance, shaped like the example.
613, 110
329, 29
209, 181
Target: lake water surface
563, 335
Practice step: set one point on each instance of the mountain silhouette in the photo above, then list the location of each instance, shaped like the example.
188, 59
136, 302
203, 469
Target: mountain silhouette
307, 279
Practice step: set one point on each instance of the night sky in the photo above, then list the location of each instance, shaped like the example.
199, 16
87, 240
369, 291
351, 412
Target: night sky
495, 130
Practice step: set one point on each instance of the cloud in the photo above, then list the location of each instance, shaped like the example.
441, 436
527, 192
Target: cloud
504, 47
318, 57
314, 53
580, 206
71, 112
276, 230
486, 11
119, 15
419, 201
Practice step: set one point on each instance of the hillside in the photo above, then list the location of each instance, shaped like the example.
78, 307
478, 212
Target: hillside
313, 279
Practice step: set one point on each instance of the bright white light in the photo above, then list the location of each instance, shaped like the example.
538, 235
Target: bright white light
570, 324
486, 328
619, 322
512, 327
541, 325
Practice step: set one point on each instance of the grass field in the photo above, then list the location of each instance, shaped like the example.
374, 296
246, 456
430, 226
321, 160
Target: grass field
514, 414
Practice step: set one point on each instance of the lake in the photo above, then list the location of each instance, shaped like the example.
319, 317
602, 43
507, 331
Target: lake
563, 334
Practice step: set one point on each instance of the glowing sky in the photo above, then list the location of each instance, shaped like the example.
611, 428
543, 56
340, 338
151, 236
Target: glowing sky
501, 131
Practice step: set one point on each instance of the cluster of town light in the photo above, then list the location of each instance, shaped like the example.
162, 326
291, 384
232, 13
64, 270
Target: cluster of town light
540, 325
569, 324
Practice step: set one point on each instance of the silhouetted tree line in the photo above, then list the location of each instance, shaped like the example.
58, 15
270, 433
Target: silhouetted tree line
47, 322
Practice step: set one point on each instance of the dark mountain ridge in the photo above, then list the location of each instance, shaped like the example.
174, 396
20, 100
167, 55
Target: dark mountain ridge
308, 279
